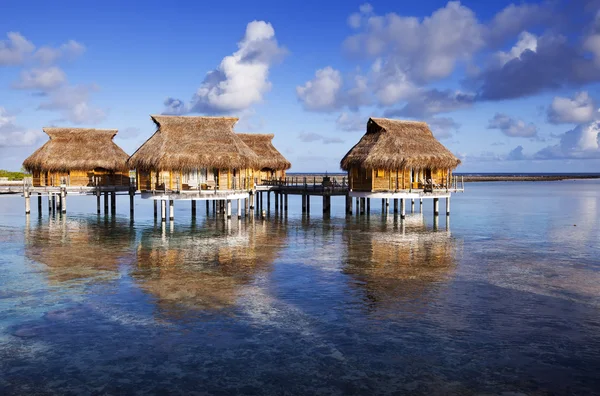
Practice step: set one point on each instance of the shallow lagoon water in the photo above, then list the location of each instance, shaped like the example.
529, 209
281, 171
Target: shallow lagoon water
505, 298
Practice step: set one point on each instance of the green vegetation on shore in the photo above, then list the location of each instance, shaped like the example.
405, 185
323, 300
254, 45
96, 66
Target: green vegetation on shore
13, 175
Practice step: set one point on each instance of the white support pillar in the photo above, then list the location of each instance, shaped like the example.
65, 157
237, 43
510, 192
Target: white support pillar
403, 208
239, 208
63, 200
421, 205
163, 210
229, 208
436, 206
412, 205
27, 202
448, 206
171, 210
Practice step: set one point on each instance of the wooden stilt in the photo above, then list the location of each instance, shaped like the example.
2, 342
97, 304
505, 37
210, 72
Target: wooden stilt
98, 195
193, 208
403, 208
436, 206
40, 204
105, 202
286, 203
348, 204
113, 202
396, 206
362, 205
308, 204
63, 200
171, 209
49, 202
155, 208
239, 208
358, 206
412, 206
163, 210
276, 201
448, 206
229, 208
131, 201
421, 205
268, 201
303, 203
368, 206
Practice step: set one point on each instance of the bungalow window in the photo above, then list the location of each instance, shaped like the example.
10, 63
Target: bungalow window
380, 173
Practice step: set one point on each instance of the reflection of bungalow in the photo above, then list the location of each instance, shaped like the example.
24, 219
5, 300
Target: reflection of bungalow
397, 155
204, 273
79, 249
193, 153
78, 157
393, 267
271, 163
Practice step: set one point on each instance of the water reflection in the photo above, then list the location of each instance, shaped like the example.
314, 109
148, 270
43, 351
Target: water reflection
79, 249
406, 263
206, 266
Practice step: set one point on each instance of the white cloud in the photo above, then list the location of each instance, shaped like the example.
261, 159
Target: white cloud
309, 137
578, 110
427, 103
72, 101
241, 80
321, 93
15, 49
581, 142
512, 127
516, 154
49, 55
443, 127
426, 49
351, 122
526, 42
43, 79
12, 135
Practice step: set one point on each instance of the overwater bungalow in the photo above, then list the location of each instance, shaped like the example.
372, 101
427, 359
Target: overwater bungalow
396, 155
271, 163
78, 157
194, 153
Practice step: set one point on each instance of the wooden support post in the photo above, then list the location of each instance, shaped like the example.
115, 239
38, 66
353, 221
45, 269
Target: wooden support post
436, 206
113, 202
54, 205
40, 204
303, 203
27, 202
368, 206
307, 204
193, 208
412, 205
131, 201
387, 205
396, 206
171, 210
239, 208
63, 200
58, 209
448, 206
276, 201
98, 194
163, 210
325, 204
286, 203
155, 208
358, 206
421, 205
268, 201
362, 205
207, 208
229, 208
382, 205
436, 222
214, 206
49, 202
348, 204
403, 208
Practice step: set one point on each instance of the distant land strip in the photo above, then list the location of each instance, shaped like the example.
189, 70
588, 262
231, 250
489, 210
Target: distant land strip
317, 177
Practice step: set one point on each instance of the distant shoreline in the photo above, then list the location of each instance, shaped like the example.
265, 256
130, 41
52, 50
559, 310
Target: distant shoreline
470, 178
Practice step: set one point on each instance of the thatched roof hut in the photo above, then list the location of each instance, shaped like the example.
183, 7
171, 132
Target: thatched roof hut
268, 156
397, 144
188, 143
78, 149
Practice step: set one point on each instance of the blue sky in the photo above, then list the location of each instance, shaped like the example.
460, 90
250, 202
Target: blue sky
507, 87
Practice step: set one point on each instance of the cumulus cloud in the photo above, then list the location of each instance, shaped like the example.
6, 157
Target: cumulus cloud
322, 92
241, 79
527, 42
43, 79
582, 142
73, 103
430, 102
512, 127
514, 19
579, 109
516, 154
12, 135
427, 48
350, 122
15, 49
50, 55
443, 127
309, 137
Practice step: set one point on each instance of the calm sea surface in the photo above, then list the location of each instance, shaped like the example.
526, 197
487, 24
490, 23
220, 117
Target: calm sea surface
504, 299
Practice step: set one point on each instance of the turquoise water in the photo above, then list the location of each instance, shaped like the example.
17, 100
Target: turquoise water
505, 298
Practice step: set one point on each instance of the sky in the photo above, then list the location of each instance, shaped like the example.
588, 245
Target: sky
507, 87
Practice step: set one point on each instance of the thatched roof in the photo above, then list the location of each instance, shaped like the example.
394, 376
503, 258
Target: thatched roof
395, 144
78, 149
268, 156
188, 143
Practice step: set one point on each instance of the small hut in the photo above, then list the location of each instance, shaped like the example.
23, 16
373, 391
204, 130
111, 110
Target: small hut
271, 163
193, 153
397, 155
79, 157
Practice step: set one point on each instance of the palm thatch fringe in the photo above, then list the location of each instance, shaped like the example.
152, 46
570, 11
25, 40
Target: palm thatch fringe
77, 149
188, 143
268, 156
396, 144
